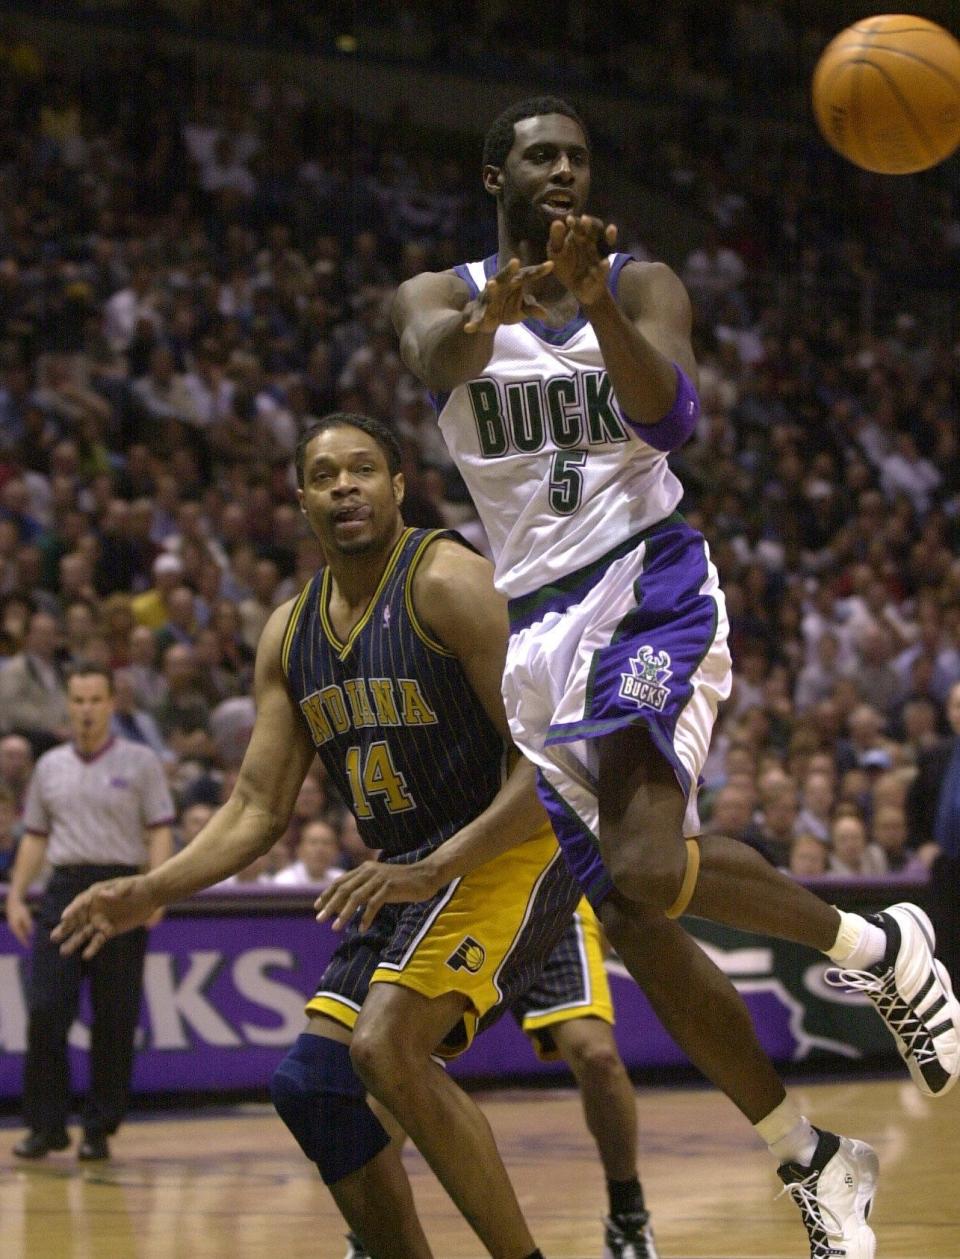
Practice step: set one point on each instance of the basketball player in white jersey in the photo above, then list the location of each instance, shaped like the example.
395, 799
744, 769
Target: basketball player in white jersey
563, 375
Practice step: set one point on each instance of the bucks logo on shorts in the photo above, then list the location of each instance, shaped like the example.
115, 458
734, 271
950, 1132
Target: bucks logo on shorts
645, 684
468, 955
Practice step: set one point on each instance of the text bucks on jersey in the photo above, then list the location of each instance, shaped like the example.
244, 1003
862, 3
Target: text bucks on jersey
557, 474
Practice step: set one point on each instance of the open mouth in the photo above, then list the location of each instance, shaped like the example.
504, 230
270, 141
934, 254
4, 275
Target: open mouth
558, 204
355, 514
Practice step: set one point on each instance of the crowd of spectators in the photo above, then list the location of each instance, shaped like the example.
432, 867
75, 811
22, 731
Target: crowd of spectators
192, 269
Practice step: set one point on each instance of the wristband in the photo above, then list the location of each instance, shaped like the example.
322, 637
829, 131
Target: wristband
679, 422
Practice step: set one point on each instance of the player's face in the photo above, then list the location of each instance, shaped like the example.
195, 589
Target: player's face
90, 706
349, 497
546, 176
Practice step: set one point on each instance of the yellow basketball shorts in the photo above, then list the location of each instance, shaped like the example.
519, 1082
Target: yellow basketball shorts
572, 985
487, 935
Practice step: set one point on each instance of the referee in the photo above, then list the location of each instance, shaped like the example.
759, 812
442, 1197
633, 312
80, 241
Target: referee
96, 807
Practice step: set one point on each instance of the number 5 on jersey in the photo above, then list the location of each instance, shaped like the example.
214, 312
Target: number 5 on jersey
566, 481
376, 776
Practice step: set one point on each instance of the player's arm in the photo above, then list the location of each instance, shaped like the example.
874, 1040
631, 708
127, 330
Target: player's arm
454, 598
26, 866
446, 336
643, 333
247, 825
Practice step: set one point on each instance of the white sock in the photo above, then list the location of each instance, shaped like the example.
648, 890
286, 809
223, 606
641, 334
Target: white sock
859, 943
789, 1136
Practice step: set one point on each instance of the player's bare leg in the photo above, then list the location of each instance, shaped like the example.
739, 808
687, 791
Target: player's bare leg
641, 841
888, 957
377, 1203
696, 1003
609, 1104
396, 1033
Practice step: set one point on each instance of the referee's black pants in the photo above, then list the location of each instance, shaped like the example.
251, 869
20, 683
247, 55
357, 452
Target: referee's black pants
116, 980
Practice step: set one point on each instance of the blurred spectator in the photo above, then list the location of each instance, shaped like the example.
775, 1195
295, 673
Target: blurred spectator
231, 725
816, 805
180, 625
192, 821
33, 700
851, 855
889, 831
152, 607
183, 715
16, 766
318, 852
808, 856
777, 823
133, 722
148, 684
256, 610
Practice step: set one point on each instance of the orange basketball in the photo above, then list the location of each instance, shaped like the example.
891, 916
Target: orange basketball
886, 93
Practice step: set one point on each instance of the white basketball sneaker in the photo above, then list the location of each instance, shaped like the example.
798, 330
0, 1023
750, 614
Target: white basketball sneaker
913, 995
834, 1194
355, 1248
629, 1237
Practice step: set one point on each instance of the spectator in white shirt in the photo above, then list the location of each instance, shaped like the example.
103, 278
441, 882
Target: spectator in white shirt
318, 854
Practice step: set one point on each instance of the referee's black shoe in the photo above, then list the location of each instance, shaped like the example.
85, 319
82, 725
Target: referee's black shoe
93, 1148
39, 1144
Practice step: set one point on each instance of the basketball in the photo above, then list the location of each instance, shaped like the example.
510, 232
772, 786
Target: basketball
886, 93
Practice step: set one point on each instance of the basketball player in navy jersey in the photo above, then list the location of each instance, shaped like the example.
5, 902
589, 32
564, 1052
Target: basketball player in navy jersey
563, 375
388, 666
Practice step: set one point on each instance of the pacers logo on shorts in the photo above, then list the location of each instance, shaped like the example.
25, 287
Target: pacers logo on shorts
468, 955
645, 684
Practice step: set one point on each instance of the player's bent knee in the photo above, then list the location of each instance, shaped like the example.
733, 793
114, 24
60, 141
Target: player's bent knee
320, 1098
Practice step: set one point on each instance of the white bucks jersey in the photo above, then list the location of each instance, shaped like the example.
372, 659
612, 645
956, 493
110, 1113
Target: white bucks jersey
558, 476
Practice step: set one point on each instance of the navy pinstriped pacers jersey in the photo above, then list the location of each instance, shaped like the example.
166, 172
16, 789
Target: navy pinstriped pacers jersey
391, 713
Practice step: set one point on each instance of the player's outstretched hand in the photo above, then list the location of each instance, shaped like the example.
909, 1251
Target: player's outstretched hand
371, 886
574, 249
101, 912
506, 298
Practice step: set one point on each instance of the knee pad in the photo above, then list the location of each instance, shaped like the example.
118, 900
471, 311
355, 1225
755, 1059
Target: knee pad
322, 1100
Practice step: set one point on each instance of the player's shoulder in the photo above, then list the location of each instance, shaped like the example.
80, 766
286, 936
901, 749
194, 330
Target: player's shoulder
449, 570
431, 286
642, 285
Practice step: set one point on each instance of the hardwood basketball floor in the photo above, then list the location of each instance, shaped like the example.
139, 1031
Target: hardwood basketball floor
234, 1186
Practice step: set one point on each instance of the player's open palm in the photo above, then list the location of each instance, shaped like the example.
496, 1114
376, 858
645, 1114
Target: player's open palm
101, 912
507, 298
575, 249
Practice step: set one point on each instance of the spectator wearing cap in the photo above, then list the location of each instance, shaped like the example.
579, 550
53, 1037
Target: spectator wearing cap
152, 608
866, 746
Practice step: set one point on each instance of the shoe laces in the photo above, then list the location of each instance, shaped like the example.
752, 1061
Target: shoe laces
898, 1013
812, 1212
